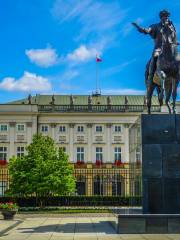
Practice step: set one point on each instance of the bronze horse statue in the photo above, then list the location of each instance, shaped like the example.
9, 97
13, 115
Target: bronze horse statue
167, 74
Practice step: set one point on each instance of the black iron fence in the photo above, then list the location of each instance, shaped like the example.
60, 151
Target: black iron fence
105, 182
94, 187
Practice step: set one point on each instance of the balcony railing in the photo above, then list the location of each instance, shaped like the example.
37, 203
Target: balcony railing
96, 108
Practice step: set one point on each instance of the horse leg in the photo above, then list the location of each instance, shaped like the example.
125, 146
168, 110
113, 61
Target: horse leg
160, 96
150, 90
175, 83
168, 91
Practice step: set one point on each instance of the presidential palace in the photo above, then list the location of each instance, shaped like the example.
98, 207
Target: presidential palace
92, 130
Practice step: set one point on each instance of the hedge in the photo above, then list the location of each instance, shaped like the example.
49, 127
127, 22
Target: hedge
76, 201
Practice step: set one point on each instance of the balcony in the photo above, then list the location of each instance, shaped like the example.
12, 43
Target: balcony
99, 163
79, 164
118, 163
95, 108
3, 162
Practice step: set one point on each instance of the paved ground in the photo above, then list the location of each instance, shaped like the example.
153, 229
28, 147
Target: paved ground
69, 228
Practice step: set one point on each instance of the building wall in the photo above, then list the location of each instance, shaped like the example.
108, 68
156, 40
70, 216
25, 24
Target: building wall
71, 138
108, 139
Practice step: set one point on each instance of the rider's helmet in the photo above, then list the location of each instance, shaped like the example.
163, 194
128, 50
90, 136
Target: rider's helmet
164, 13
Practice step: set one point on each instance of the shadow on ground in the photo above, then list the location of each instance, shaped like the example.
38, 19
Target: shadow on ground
100, 227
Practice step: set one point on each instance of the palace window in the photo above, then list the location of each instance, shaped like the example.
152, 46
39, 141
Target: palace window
20, 151
99, 128
20, 127
81, 185
3, 153
3, 127
62, 128
117, 154
117, 128
80, 154
80, 128
99, 154
44, 128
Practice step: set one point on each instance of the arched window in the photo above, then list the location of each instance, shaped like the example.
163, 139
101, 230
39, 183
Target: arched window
81, 185
117, 185
98, 185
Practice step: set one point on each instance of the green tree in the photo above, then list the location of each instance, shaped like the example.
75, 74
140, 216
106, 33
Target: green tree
43, 171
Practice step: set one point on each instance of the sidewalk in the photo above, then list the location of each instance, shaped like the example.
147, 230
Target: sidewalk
70, 228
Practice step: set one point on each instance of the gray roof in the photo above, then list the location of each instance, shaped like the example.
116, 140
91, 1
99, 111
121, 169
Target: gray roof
83, 100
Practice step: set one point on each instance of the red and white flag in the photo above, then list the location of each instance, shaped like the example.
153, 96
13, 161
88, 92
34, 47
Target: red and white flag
98, 58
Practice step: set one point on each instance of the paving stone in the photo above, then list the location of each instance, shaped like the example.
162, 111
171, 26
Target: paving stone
173, 236
14, 237
39, 237
155, 236
77, 237
64, 238
109, 237
73, 229
132, 237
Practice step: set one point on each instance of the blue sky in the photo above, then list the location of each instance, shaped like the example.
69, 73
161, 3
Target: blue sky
49, 46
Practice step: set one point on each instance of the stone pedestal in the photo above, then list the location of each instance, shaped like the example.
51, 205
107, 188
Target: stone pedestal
161, 163
148, 223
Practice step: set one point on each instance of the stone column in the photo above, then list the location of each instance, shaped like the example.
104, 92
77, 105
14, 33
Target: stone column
35, 125
53, 133
12, 150
126, 141
71, 142
108, 142
89, 146
29, 132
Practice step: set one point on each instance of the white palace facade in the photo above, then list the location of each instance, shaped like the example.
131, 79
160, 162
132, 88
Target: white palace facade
92, 130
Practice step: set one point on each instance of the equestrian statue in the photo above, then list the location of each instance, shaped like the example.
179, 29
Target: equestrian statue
163, 69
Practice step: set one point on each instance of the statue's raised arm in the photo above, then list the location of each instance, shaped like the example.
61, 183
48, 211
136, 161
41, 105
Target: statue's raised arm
142, 30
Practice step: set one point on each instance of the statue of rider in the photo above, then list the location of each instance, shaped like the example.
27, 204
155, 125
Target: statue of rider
156, 32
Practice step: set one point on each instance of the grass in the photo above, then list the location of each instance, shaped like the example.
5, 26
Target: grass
64, 210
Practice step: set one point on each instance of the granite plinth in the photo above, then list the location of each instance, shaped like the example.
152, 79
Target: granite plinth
161, 163
148, 223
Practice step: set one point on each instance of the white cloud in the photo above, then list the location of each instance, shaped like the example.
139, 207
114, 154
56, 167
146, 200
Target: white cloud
123, 91
27, 83
93, 16
82, 54
43, 57
69, 74
118, 68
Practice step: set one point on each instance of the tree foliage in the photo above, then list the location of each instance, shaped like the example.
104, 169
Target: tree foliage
43, 171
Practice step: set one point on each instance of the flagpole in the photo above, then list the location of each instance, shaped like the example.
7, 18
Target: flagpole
97, 76
98, 60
